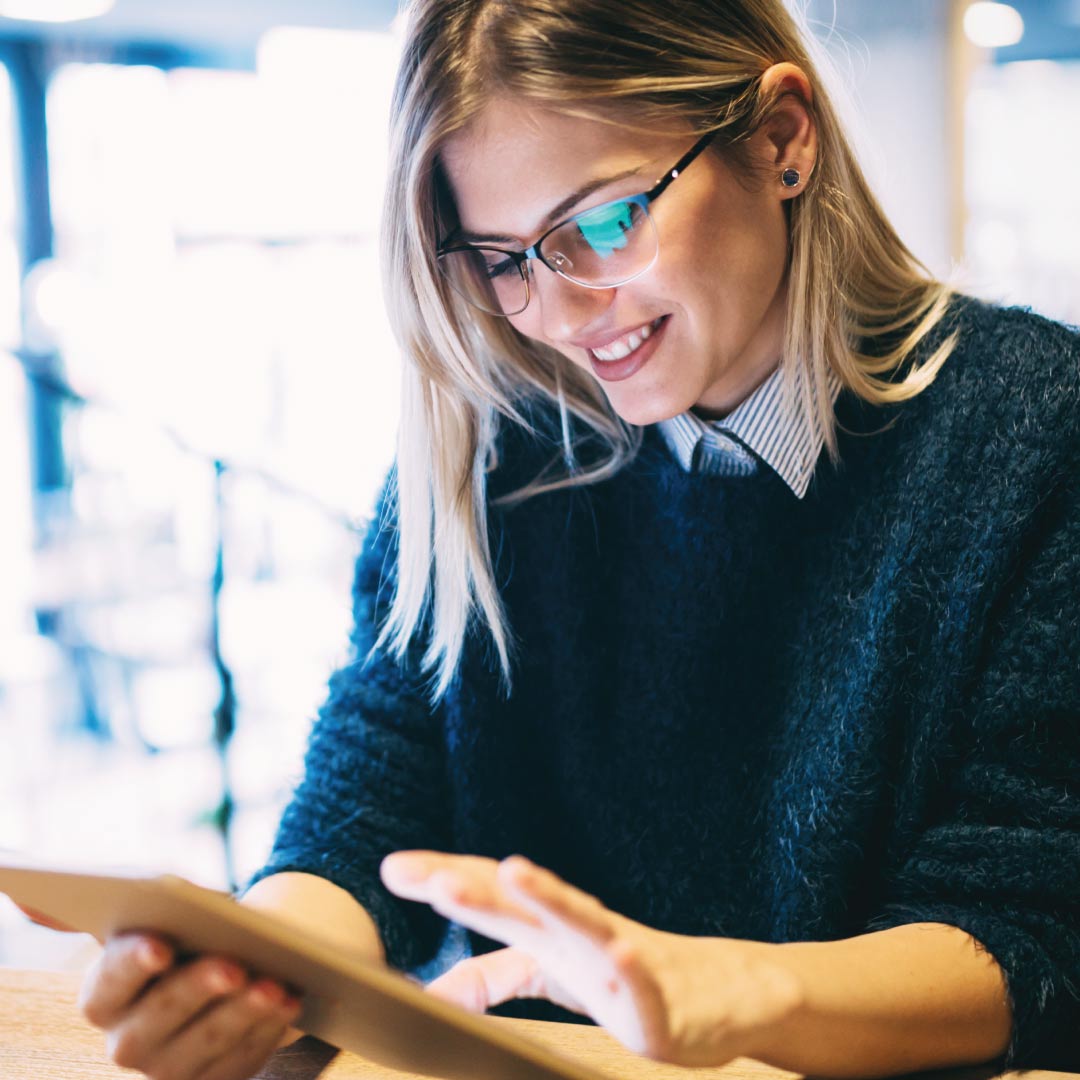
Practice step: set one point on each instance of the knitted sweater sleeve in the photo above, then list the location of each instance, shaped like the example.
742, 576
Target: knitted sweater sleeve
1001, 858
373, 779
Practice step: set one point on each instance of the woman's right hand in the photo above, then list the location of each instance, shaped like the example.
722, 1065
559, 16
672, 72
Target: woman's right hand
204, 1019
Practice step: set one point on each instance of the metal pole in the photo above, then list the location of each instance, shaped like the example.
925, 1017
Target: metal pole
28, 68
225, 712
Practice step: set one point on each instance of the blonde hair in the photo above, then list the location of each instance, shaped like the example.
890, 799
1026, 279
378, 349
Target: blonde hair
859, 302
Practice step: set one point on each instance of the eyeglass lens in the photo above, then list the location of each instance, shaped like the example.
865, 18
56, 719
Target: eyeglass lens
601, 248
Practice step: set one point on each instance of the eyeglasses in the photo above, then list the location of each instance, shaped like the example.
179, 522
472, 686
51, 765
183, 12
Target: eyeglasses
600, 248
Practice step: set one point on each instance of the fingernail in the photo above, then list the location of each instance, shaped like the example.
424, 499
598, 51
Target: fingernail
405, 868
151, 955
224, 978
267, 995
519, 868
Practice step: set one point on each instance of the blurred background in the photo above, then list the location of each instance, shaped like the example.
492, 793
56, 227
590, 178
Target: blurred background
198, 388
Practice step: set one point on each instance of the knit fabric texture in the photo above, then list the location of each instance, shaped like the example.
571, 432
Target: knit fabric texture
737, 713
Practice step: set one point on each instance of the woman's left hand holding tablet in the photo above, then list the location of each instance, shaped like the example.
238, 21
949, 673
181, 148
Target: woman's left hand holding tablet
684, 1000
204, 1019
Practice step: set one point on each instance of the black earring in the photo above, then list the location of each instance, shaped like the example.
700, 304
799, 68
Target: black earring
790, 178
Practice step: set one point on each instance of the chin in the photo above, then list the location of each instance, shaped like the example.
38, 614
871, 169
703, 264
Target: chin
647, 411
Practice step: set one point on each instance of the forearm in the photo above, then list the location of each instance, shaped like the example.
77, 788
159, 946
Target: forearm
320, 907
901, 1000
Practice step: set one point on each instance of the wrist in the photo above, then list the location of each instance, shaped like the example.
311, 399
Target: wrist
319, 908
908, 999
723, 998
783, 993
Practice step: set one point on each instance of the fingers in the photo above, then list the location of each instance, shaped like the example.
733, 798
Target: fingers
120, 974
408, 873
236, 1033
555, 902
204, 1019
511, 901
510, 929
137, 1035
482, 982
451, 888
247, 1057
474, 882
463, 888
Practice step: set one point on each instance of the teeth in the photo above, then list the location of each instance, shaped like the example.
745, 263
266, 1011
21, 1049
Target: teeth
613, 352
624, 346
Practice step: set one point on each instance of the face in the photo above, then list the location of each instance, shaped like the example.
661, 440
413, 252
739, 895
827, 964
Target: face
715, 296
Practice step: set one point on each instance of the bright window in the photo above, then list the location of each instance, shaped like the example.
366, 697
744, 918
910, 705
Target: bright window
215, 295
1023, 229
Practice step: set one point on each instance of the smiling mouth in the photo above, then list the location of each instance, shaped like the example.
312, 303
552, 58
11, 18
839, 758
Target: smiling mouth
624, 346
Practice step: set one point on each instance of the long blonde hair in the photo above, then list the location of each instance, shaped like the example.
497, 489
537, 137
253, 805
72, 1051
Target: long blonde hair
858, 301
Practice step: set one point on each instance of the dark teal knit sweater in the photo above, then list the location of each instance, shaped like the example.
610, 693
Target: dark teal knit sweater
738, 713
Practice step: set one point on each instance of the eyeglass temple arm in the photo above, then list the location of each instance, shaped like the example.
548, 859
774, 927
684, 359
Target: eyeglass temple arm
680, 165
520, 257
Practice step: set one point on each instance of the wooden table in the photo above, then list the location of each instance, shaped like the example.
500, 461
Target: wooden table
43, 1037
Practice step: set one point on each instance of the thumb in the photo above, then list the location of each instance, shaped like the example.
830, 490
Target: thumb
480, 982
44, 920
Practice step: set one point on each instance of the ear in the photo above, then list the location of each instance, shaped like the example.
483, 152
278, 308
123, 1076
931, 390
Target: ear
788, 135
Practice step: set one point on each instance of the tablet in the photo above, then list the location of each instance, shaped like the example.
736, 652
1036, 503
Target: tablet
359, 1006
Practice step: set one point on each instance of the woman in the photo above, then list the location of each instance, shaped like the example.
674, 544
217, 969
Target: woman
728, 572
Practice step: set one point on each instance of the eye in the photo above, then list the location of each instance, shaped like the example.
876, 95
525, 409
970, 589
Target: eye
607, 228
496, 266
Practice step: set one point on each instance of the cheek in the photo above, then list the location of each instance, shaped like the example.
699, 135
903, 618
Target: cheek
731, 268
527, 324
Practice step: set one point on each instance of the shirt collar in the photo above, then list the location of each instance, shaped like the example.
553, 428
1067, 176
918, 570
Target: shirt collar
784, 438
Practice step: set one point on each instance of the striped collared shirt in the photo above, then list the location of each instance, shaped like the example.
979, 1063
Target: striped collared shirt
762, 429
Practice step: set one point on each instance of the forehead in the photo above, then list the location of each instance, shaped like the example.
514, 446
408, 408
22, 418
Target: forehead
514, 163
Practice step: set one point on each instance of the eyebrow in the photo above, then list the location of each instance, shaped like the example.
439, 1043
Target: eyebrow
459, 236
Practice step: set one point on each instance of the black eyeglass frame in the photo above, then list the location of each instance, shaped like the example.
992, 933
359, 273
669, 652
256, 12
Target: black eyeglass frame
644, 199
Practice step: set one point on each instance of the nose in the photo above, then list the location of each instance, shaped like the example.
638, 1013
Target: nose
564, 308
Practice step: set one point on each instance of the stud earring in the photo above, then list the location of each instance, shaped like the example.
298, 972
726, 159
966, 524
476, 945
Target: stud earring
790, 178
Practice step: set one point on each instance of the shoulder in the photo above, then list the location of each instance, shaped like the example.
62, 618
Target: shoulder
1017, 358
1011, 383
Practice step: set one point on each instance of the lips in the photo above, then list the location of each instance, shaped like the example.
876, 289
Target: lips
626, 344
607, 338
623, 367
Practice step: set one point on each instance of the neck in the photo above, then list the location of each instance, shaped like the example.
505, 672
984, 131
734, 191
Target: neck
754, 365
